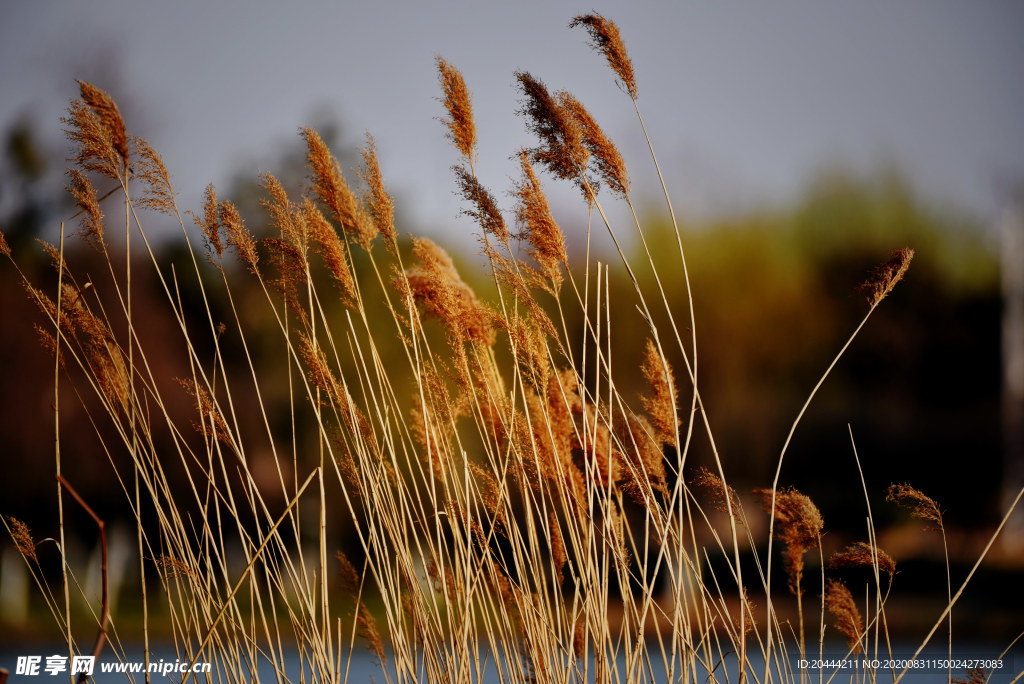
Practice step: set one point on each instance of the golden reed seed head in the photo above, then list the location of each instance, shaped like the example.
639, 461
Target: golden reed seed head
722, 495
839, 601
458, 103
5, 249
92, 217
173, 568
884, 278
659, 404
562, 150
862, 555
436, 284
349, 575
379, 203
22, 537
610, 165
798, 525
150, 170
331, 250
239, 236
210, 223
486, 210
109, 115
330, 186
921, 506
605, 38
537, 225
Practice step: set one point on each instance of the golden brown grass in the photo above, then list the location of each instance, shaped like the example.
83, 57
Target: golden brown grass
507, 509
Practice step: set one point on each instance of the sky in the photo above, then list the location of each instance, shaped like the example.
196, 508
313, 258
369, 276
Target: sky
746, 102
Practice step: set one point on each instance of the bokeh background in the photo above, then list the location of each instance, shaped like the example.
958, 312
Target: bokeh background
801, 143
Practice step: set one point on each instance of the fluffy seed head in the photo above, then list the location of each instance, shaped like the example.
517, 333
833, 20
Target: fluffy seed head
722, 495
5, 249
150, 170
885, 277
605, 156
798, 525
659, 404
561, 150
839, 601
537, 225
921, 506
485, 208
378, 202
92, 217
332, 189
210, 223
331, 250
22, 537
457, 102
863, 555
239, 236
437, 286
605, 38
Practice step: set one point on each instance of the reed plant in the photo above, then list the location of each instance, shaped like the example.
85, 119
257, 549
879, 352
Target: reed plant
513, 515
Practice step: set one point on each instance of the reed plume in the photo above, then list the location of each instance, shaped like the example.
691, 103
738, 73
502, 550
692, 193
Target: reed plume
920, 505
379, 204
798, 525
863, 555
605, 38
884, 278
84, 192
561, 151
536, 224
839, 601
330, 186
149, 170
458, 103
484, 207
22, 537
603, 153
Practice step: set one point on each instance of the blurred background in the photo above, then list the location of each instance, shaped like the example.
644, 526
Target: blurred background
800, 142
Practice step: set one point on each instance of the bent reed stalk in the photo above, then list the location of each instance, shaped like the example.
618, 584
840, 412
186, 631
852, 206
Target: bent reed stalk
515, 517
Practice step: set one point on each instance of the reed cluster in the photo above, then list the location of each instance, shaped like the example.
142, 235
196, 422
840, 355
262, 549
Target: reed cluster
513, 516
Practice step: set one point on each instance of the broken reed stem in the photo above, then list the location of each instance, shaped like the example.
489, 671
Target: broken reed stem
101, 632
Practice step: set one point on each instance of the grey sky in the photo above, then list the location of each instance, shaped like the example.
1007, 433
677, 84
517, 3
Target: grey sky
745, 101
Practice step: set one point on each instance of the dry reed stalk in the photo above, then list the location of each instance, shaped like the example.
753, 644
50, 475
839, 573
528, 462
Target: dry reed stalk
332, 251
